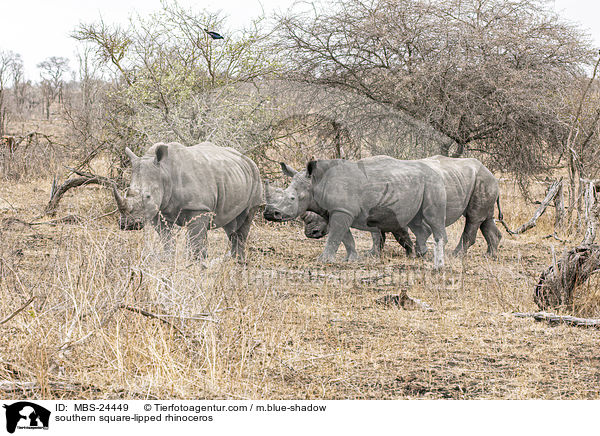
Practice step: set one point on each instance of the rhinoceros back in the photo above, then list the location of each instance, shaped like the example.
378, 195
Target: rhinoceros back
375, 188
470, 186
206, 177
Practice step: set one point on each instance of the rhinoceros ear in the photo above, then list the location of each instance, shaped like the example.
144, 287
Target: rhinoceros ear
287, 170
311, 167
130, 154
162, 151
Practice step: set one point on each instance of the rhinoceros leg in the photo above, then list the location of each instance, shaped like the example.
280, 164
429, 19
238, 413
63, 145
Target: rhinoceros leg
350, 246
403, 239
468, 236
492, 236
339, 225
165, 233
422, 233
238, 233
196, 235
434, 216
378, 243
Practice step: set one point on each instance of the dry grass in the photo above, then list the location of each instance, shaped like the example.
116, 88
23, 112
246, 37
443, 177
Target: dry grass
280, 328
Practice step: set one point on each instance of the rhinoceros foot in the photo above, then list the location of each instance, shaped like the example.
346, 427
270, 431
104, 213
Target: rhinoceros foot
352, 257
420, 253
374, 254
326, 258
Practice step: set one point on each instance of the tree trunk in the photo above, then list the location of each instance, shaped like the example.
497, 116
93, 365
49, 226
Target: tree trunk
559, 209
590, 210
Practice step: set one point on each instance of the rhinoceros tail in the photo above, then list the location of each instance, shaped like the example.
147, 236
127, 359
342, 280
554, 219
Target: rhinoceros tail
500, 216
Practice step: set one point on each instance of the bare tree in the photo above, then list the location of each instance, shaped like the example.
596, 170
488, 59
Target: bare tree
18, 83
10, 64
487, 75
52, 74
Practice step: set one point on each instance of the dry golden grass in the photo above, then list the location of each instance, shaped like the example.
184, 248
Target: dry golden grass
282, 327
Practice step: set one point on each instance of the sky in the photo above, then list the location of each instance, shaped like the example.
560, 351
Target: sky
38, 29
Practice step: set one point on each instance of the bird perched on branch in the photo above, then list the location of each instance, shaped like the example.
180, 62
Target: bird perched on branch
213, 35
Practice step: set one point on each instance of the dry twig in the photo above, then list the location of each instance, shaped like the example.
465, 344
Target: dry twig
20, 309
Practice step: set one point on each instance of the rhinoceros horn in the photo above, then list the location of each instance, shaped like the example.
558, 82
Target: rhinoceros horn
121, 202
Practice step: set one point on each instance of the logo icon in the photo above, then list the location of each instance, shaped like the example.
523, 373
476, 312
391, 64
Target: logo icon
26, 415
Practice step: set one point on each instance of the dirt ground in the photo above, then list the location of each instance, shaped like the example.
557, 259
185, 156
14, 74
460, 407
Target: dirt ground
114, 317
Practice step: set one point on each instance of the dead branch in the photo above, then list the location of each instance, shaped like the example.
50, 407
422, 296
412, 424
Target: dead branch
404, 301
554, 236
69, 219
151, 315
196, 317
552, 193
557, 283
16, 312
559, 209
82, 180
560, 319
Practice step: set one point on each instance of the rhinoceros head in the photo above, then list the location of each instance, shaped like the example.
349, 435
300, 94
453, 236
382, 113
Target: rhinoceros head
146, 191
287, 204
315, 226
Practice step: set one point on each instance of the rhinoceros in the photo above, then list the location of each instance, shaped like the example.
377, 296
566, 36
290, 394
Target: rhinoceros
389, 192
316, 227
203, 186
471, 191
296, 201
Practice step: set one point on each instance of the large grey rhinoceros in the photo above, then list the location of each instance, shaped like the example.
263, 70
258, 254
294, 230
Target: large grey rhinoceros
389, 191
471, 191
201, 187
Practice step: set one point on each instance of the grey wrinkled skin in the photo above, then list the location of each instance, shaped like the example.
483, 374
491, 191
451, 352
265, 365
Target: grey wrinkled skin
386, 190
471, 191
296, 200
316, 227
200, 187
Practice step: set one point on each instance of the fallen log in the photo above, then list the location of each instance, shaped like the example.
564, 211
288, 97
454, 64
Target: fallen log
560, 319
15, 387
